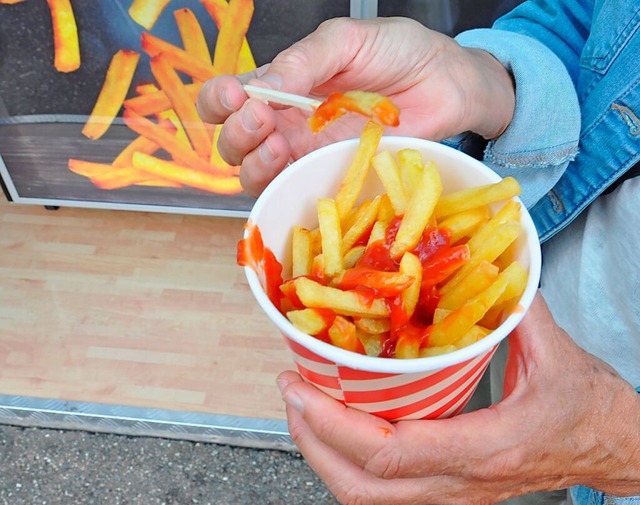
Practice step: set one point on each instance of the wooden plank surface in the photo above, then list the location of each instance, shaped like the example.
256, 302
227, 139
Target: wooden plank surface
133, 308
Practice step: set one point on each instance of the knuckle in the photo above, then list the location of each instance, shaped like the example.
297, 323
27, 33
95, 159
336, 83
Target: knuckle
386, 462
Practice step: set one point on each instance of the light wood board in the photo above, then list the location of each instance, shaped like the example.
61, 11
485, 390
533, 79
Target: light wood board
133, 308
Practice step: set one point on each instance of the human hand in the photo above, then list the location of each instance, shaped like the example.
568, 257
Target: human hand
566, 418
441, 88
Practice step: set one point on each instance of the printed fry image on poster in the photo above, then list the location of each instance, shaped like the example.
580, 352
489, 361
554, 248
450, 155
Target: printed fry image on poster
98, 99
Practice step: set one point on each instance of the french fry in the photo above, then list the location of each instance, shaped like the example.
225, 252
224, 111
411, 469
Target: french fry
157, 101
410, 265
330, 231
309, 321
180, 153
65, 36
231, 35
362, 223
371, 343
192, 35
10, 2
112, 94
454, 326
347, 303
489, 250
342, 333
217, 9
517, 277
477, 280
352, 256
407, 347
223, 185
411, 166
178, 58
147, 12
510, 211
464, 224
180, 133
302, 255
419, 209
389, 174
426, 352
476, 333
383, 284
358, 168
107, 177
139, 144
372, 326
475, 197
183, 105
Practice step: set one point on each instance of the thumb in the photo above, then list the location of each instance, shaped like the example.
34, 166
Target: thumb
527, 343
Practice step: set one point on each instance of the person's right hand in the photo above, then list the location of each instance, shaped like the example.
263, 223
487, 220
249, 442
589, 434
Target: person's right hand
441, 88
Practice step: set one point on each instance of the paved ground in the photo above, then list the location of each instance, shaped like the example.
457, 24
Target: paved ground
39, 466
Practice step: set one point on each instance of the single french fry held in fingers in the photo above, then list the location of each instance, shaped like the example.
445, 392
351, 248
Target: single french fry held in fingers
112, 94
147, 12
373, 105
65, 36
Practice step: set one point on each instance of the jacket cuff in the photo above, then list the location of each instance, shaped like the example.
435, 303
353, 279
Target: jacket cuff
543, 135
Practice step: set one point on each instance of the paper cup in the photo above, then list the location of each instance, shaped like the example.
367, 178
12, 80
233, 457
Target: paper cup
394, 389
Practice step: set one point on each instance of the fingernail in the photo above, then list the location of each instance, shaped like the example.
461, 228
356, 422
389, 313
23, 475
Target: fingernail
274, 81
224, 100
266, 153
249, 120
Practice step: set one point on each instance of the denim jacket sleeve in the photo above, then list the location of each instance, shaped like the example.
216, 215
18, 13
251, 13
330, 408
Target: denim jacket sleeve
543, 136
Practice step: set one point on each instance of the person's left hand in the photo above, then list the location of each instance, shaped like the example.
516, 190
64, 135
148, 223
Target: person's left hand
559, 404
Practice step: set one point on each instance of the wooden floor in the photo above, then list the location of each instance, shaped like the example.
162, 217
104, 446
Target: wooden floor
132, 308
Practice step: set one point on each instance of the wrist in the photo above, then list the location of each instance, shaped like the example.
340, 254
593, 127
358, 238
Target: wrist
619, 442
491, 102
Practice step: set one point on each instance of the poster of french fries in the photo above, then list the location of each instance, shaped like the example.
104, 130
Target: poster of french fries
97, 99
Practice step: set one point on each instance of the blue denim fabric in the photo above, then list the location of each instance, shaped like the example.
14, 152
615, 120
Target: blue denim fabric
576, 127
597, 43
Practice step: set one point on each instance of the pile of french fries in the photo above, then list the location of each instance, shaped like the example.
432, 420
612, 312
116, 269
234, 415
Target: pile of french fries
173, 147
412, 272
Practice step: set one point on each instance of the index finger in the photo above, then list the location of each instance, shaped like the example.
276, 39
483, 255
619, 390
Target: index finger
219, 98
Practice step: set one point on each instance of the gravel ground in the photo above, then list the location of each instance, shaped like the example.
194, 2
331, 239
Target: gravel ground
40, 466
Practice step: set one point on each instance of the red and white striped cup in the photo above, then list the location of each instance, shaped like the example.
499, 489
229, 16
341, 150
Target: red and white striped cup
394, 389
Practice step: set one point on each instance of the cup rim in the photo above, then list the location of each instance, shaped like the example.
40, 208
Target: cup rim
375, 364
